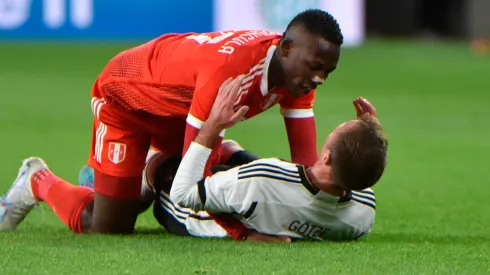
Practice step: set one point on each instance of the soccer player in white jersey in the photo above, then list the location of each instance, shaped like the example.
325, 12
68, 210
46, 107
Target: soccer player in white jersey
331, 200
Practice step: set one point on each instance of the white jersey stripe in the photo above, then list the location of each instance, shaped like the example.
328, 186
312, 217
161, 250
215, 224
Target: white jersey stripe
275, 172
164, 196
264, 164
364, 201
170, 208
197, 123
99, 141
267, 168
297, 113
364, 196
266, 174
366, 191
96, 105
100, 148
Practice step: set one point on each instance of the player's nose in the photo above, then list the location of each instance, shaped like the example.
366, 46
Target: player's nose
318, 79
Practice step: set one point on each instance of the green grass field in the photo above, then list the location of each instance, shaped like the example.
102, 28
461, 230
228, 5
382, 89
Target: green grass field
433, 202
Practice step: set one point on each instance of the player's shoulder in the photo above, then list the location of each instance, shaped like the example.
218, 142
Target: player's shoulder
358, 208
364, 198
355, 217
242, 45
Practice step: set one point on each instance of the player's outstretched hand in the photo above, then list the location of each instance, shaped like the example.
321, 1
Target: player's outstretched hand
263, 238
223, 114
363, 106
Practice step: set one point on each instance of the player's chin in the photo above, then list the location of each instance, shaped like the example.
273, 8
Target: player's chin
295, 90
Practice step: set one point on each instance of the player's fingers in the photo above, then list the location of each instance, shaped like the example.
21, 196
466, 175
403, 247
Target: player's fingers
238, 115
224, 87
235, 86
367, 106
285, 239
358, 108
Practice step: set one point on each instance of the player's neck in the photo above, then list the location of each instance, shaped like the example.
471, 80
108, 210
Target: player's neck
322, 180
275, 77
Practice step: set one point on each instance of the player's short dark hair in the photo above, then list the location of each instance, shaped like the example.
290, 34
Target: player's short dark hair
319, 22
359, 154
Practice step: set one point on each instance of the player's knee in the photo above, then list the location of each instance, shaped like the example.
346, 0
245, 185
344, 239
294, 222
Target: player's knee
228, 148
116, 205
86, 218
231, 142
165, 173
240, 157
113, 216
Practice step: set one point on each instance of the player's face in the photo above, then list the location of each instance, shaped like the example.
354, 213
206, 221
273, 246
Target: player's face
308, 63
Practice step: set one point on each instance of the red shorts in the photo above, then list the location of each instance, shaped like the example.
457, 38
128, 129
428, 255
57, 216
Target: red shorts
121, 140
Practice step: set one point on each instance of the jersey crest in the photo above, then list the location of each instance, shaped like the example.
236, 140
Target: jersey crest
117, 152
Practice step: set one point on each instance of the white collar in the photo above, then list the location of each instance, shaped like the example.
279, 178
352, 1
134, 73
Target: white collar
264, 83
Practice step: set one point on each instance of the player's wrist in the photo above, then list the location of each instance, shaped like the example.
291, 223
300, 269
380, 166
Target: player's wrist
209, 135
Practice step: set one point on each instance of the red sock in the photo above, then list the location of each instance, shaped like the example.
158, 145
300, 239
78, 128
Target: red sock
66, 200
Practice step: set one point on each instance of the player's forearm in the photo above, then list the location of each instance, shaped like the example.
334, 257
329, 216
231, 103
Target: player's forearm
209, 135
192, 134
184, 189
302, 139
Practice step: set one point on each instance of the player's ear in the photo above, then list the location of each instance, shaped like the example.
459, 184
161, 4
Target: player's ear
286, 46
327, 158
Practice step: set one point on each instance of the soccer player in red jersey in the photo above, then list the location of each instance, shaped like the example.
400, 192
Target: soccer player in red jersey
160, 93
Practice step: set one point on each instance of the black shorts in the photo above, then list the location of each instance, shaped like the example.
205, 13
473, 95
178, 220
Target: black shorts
164, 209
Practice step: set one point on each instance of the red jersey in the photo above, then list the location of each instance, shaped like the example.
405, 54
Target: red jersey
179, 75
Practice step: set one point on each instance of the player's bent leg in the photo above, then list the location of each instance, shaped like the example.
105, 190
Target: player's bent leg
154, 158
169, 215
232, 154
120, 144
116, 204
35, 182
158, 175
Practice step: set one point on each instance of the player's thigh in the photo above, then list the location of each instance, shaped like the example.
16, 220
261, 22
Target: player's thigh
167, 135
118, 155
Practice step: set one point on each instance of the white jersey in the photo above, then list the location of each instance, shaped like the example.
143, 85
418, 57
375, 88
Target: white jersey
273, 197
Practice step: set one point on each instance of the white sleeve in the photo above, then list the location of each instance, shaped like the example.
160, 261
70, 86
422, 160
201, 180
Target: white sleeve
184, 191
190, 190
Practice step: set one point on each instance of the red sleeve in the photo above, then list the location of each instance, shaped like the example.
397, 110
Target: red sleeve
301, 128
207, 87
